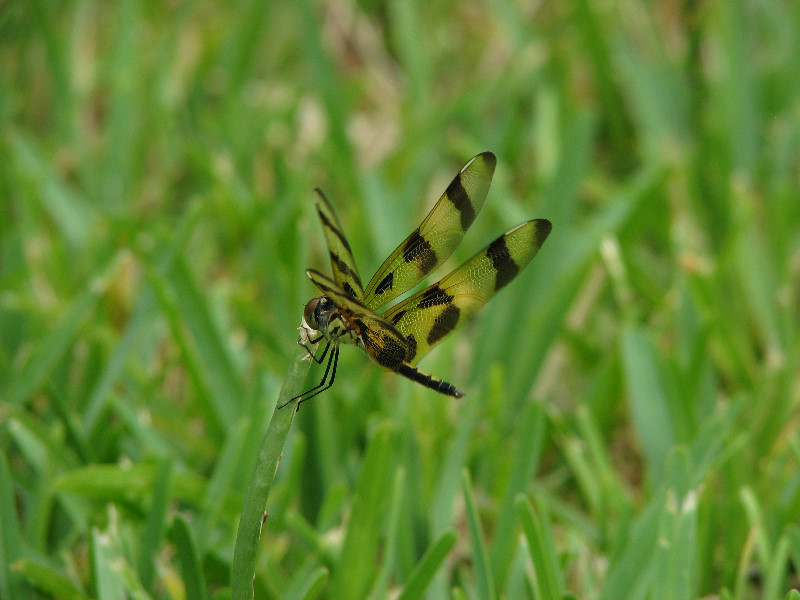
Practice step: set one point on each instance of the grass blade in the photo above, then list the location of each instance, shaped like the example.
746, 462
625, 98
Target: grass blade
649, 400
360, 547
10, 540
549, 583
484, 581
426, 568
243, 567
153, 534
188, 558
47, 580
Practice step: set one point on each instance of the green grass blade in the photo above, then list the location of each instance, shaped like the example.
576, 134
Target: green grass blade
47, 580
212, 348
405, 35
56, 344
395, 516
216, 408
632, 570
243, 567
755, 518
153, 534
776, 574
649, 400
548, 580
113, 483
219, 482
142, 322
315, 584
68, 209
793, 536
428, 565
188, 558
108, 582
360, 548
570, 253
11, 585
676, 557
447, 484
530, 438
484, 580
124, 111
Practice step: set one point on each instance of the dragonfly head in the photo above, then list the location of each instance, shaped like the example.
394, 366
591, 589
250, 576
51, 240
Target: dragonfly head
317, 313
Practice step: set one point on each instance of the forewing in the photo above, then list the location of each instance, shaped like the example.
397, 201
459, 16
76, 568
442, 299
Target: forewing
331, 289
429, 316
434, 240
345, 272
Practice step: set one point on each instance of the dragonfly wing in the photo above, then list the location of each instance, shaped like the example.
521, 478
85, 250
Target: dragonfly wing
434, 240
429, 316
345, 272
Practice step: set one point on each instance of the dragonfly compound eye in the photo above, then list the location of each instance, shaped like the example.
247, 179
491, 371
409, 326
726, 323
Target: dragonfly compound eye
310, 313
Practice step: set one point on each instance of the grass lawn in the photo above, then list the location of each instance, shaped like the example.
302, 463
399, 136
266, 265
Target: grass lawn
630, 424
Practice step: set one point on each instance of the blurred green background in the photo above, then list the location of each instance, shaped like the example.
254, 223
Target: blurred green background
629, 429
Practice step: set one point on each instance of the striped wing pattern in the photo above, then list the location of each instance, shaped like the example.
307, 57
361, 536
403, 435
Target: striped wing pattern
345, 272
430, 244
429, 316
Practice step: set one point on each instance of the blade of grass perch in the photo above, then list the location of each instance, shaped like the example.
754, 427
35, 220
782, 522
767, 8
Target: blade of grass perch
255, 499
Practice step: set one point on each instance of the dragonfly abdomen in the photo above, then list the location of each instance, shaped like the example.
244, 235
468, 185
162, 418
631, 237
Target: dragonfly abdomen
429, 381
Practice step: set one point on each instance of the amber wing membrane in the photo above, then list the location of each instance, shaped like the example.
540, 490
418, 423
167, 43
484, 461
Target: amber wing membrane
430, 315
434, 240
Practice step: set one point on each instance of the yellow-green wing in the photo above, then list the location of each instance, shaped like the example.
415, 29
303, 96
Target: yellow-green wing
435, 239
345, 272
427, 317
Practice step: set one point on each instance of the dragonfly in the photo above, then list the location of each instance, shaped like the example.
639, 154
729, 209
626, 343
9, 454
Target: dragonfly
346, 312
